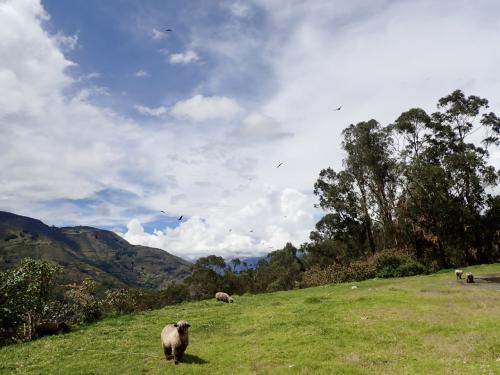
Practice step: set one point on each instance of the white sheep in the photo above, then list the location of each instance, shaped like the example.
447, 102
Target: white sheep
174, 337
224, 297
459, 273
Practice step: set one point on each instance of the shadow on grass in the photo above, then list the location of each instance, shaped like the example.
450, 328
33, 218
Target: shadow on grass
193, 359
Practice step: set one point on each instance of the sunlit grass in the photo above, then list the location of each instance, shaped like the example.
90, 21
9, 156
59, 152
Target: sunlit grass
416, 325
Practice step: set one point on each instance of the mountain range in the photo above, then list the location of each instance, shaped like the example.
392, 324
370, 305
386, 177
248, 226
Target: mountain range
88, 252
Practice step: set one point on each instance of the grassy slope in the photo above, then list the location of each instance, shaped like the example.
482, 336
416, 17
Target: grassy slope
417, 325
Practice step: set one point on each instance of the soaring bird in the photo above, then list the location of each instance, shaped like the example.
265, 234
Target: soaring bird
168, 30
251, 230
338, 108
279, 165
163, 211
180, 218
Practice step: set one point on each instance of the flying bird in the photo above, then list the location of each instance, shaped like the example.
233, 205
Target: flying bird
338, 108
279, 165
251, 230
230, 230
163, 211
180, 218
168, 30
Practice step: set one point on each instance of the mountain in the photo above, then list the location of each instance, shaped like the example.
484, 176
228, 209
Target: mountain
87, 252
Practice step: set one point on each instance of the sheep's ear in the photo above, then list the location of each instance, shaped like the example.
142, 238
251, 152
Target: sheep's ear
175, 325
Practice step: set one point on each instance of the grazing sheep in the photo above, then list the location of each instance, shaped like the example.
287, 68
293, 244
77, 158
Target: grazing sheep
174, 337
459, 274
224, 297
469, 277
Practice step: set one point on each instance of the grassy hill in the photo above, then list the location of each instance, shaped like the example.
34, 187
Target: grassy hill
416, 325
87, 252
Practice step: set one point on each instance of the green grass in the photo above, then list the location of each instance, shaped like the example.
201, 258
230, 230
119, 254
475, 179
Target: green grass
416, 325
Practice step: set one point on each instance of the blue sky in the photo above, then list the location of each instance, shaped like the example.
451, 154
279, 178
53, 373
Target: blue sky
115, 40
106, 120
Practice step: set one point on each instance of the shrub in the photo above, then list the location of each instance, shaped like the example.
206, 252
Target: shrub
339, 273
84, 304
26, 292
393, 263
125, 301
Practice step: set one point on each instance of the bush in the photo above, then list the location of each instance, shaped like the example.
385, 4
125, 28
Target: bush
393, 263
339, 273
125, 301
84, 306
26, 295
387, 263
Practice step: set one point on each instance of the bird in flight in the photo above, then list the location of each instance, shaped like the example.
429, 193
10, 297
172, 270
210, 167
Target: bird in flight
180, 218
338, 108
251, 230
230, 230
168, 30
163, 211
279, 165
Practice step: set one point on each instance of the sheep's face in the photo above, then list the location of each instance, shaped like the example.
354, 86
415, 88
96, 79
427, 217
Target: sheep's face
231, 300
182, 326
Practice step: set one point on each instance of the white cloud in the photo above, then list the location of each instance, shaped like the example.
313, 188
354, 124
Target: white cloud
141, 73
90, 76
202, 108
184, 58
150, 111
158, 35
259, 127
215, 234
66, 42
291, 69
239, 9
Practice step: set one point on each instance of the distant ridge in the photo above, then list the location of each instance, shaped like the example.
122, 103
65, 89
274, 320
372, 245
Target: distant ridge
87, 252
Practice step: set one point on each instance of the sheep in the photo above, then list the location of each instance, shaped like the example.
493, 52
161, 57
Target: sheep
469, 278
174, 337
459, 274
224, 297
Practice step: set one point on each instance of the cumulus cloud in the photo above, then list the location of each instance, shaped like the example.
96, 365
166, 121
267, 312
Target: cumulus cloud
141, 73
151, 111
269, 222
202, 108
184, 58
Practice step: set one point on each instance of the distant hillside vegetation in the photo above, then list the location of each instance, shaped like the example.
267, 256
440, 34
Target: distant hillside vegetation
87, 252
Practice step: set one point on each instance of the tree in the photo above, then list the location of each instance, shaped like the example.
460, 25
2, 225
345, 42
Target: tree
206, 278
430, 197
281, 272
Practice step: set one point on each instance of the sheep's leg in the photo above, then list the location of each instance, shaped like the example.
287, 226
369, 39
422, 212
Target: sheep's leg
168, 351
178, 353
177, 357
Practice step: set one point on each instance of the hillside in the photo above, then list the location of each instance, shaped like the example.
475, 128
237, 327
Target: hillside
87, 252
416, 325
